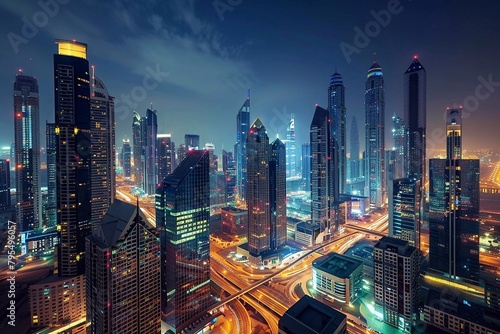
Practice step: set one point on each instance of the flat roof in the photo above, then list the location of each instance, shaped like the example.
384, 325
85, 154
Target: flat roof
338, 265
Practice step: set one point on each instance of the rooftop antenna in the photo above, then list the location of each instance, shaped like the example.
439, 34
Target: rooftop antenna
248, 93
375, 57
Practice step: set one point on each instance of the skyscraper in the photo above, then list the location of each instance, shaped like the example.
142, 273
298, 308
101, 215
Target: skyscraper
374, 136
415, 114
123, 273
404, 210
354, 151
51, 149
27, 151
150, 131
192, 141
306, 166
336, 106
102, 138
396, 267
73, 132
126, 158
165, 155
183, 216
399, 138
240, 148
454, 208
229, 169
5, 201
137, 142
324, 174
291, 157
277, 187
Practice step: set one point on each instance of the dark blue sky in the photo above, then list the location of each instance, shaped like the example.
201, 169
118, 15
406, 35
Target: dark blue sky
285, 51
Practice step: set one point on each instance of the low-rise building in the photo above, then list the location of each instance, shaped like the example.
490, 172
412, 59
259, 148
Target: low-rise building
234, 221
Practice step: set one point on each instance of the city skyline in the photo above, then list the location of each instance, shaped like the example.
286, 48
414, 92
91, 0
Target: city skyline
241, 54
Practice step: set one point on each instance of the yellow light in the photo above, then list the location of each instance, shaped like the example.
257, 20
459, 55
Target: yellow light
57, 130
76, 131
74, 49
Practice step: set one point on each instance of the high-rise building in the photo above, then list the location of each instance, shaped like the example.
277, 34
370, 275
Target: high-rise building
354, 161
27, 150
454, 208
306, 166
150, 131
291, 158
324, 174
5, 201
181, 153
183, 216
192, 141
336, 106
399, 139
277, 188
396, 267
73, 132
165, 155
229, 169
123, 273
102, 138
240, 148
138, 154
374, 136
404, 210
415, 114
126, 158
51, 149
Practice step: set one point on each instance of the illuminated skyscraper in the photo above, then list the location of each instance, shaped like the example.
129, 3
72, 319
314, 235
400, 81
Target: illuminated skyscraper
137, 142
123, 273
324, 174
374, 136
277, 187
102, 137
27, 151
404, 210
306, 166
126, 158
5, 201
454, 208
399, 138
355, 164
183, 216
73, 132
291, 158
149, 133
240, 148
51, 149
229, 169
415, 114
336, 106
165, 155
192, 141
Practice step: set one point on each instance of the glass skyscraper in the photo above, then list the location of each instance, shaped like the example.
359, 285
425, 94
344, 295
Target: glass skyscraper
150, 131
277, 196
399, 138
51, 149
27, 152
354, 162
291, 157
306, 166
404, 210
240, 148
165, 155
137, 151
183, 216
126, 158
375, 182
5, 201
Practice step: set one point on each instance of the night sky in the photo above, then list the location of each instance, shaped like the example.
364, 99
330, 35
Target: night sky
284, 51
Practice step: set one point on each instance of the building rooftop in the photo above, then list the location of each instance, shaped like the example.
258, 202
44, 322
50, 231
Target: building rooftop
337, 265
309, 316
399, 246
232, 209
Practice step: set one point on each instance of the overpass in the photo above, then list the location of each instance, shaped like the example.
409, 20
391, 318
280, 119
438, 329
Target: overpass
365, 230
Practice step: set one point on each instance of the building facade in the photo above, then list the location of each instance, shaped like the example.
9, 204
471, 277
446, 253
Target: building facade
291, 157
51, 149
5, 200
126, 159
138, 155
404, 210
277, 196
165, 154
354, 162
240, 148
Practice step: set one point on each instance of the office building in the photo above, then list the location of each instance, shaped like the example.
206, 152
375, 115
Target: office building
454, 208
234, 221
324, 174
181, 153
396, 267
354, 162
310, 316
27, 152
337, 276
306, 166
192, 141
123, 273
150, 131
5, 200
399, 139
291, 157
165, 154
183, 216
240, 148
138, 155
229, 169
126, 159
102, 138
337, 109
277, 194
375, 182
51, 149
404, 210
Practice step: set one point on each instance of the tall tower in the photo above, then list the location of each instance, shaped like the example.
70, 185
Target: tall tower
336, 106
73, 131
27, 152
150, 131
165, 155
277, 188
242, 128
354, 150
192, 141
399, 138
324, 173
51, 149
291, 157
137, 150
123, 273
306, 166
183, 217
5, 201
258, 194
102, 134
374, 136
126, 155
454, 208
415, 114
229, 169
